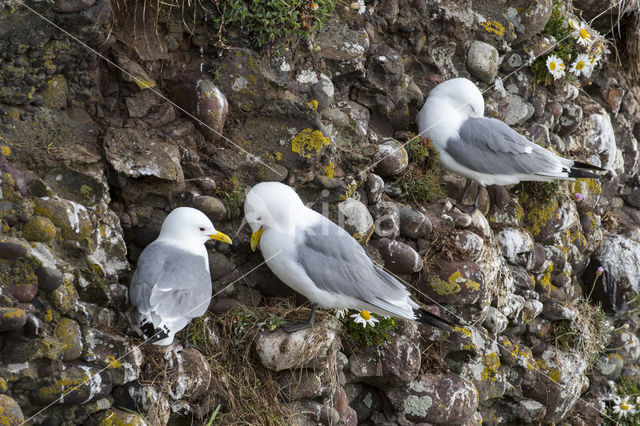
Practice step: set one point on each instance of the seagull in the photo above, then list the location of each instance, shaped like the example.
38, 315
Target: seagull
485, 149
171, 284
321, 261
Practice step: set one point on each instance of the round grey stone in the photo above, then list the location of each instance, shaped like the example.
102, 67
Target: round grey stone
483, 61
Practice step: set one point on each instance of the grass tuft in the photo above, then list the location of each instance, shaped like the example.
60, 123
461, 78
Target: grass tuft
421, 182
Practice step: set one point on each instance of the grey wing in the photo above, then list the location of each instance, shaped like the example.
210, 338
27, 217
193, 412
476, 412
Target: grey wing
171, 282
487, 145
337, 263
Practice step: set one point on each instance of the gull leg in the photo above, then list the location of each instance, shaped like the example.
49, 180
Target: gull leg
290, 328
462, 207
188, 344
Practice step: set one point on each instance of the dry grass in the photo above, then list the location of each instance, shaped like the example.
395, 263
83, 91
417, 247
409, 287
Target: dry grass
249, 393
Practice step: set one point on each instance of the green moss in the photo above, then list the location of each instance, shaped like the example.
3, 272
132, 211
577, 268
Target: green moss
231, 192
421, 182
308, 143
269, 21
39, 229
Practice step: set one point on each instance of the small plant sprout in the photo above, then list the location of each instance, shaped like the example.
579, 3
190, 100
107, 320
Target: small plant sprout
583, 36
555, 66
622, 407
581, 66
364, 318
579, 196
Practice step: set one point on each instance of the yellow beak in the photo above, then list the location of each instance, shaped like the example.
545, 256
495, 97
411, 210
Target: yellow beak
255, 239
221, 237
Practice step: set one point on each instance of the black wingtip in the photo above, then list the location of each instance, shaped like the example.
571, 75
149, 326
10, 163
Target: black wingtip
425, 317
583, 165
577, 173
153, 334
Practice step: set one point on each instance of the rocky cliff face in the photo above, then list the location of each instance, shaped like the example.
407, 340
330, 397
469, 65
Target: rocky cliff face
113, 113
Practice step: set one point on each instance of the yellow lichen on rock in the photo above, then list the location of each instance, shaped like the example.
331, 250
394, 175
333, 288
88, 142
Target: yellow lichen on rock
308, 143
538, 217
330, 170
491, 362
494, 27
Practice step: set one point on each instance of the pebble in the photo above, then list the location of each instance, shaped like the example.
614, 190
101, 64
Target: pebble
12, 319
398, 257
483, 61
391, 158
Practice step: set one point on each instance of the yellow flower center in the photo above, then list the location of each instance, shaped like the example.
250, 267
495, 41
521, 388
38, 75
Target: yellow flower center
365, 315
552, 66
580, 65
624, 406
584, 34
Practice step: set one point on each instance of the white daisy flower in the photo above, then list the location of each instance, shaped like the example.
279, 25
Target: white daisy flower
622, 407
340, 313
581, 66
583, 35
555, 66
364, 318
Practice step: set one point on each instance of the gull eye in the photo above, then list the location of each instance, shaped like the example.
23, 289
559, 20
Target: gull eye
259, 218
202, 229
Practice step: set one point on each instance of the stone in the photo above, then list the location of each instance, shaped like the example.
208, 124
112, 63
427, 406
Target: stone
72, 218
391, 158
12, 319
187, 373
89, 384
133, 72
323, 91
483, 61
39, 229
374, 187
136, 153
396, 364
516, 245
620, 258
569, 120
530, 19
516, 111
610, 365
436, 399
113, 416
49, 279
387, 220
626, 344
12, 250
69, 334
559, 394
309, 348
201, 98
105, 349
24, 293
470, 244
357, 219
398, 257
212, 207
147, 400
495, 321
10, 412
385, 68
340, 43
459, 283
413, 224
